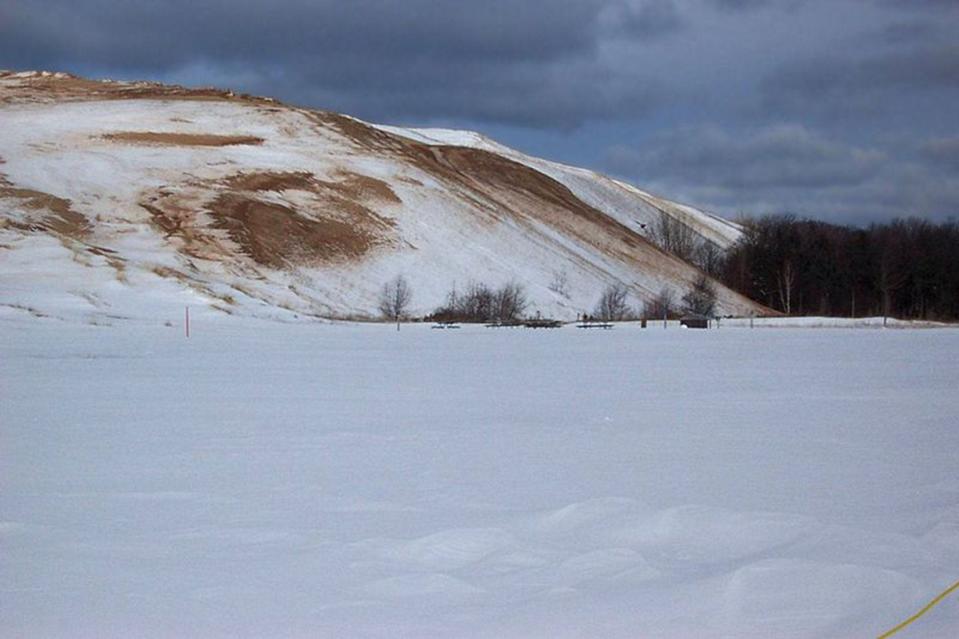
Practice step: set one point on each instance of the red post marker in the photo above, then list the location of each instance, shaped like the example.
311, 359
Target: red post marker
187, 324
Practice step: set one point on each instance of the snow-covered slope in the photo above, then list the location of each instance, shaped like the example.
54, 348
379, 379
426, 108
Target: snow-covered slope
133, 199
623, 202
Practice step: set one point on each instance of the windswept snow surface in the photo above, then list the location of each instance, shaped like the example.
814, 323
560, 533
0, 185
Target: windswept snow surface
269, 480
630, 206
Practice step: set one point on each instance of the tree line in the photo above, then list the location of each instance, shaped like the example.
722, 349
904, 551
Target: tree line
482, 303
508, 303
908, 268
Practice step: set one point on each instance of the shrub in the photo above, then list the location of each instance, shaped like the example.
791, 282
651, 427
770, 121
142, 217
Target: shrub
613, 305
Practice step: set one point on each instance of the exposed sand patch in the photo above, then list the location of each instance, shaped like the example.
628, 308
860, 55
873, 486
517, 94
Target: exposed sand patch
271, 181
55, 213
361, 134
525, 192
278, 236
363, 187
317, 222
347, 185
177, 218
181, 139
116, 262
62, 87
340, 225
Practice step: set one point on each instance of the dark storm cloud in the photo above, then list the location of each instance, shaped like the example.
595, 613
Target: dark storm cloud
841, 82
793, 169
159, 34
495, 60
839, 108
782, 157
906, 32
749, 5
643, 18
919, 5
738, 5
943, 153
558, 96
902, 60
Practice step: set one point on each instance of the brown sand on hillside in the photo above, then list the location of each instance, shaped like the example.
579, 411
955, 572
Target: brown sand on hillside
54, 213
63, 87
278, 236
331, 222
346, 184
502, 189
180, 139
339, 225
271, 181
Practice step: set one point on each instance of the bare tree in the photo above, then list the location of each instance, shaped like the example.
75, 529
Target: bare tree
612, 305
889, 279
481, 303
476, 304
674, 236
785, 281
662, 305
709, 258
452, 300
701, 299
395, 297
509, 302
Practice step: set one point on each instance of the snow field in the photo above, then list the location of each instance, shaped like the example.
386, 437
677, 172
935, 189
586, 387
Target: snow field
269, 480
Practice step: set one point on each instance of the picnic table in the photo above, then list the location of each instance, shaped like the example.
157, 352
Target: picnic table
543, 323
591, 324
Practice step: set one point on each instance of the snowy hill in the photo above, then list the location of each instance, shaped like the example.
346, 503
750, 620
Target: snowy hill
621, 201
133, 199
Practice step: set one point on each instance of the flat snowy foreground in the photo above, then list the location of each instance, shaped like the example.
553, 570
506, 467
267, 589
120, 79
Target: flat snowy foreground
269, 480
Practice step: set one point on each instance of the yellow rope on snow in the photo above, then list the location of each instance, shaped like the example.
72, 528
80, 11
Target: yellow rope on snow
925, 609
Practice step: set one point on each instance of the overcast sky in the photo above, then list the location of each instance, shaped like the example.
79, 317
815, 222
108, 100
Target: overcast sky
843, 110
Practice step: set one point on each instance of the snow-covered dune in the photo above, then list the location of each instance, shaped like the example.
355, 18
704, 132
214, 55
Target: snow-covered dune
133, 199
624, 202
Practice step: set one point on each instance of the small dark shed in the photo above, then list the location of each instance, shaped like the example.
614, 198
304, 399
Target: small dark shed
694, 321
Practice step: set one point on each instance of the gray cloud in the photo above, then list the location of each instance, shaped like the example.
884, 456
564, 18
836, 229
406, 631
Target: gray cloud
643, 18
158, 34
855, 84
943, 153
919, 5
786, 156
749, 5
498, 60
789, 168
907, 32
739, 5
